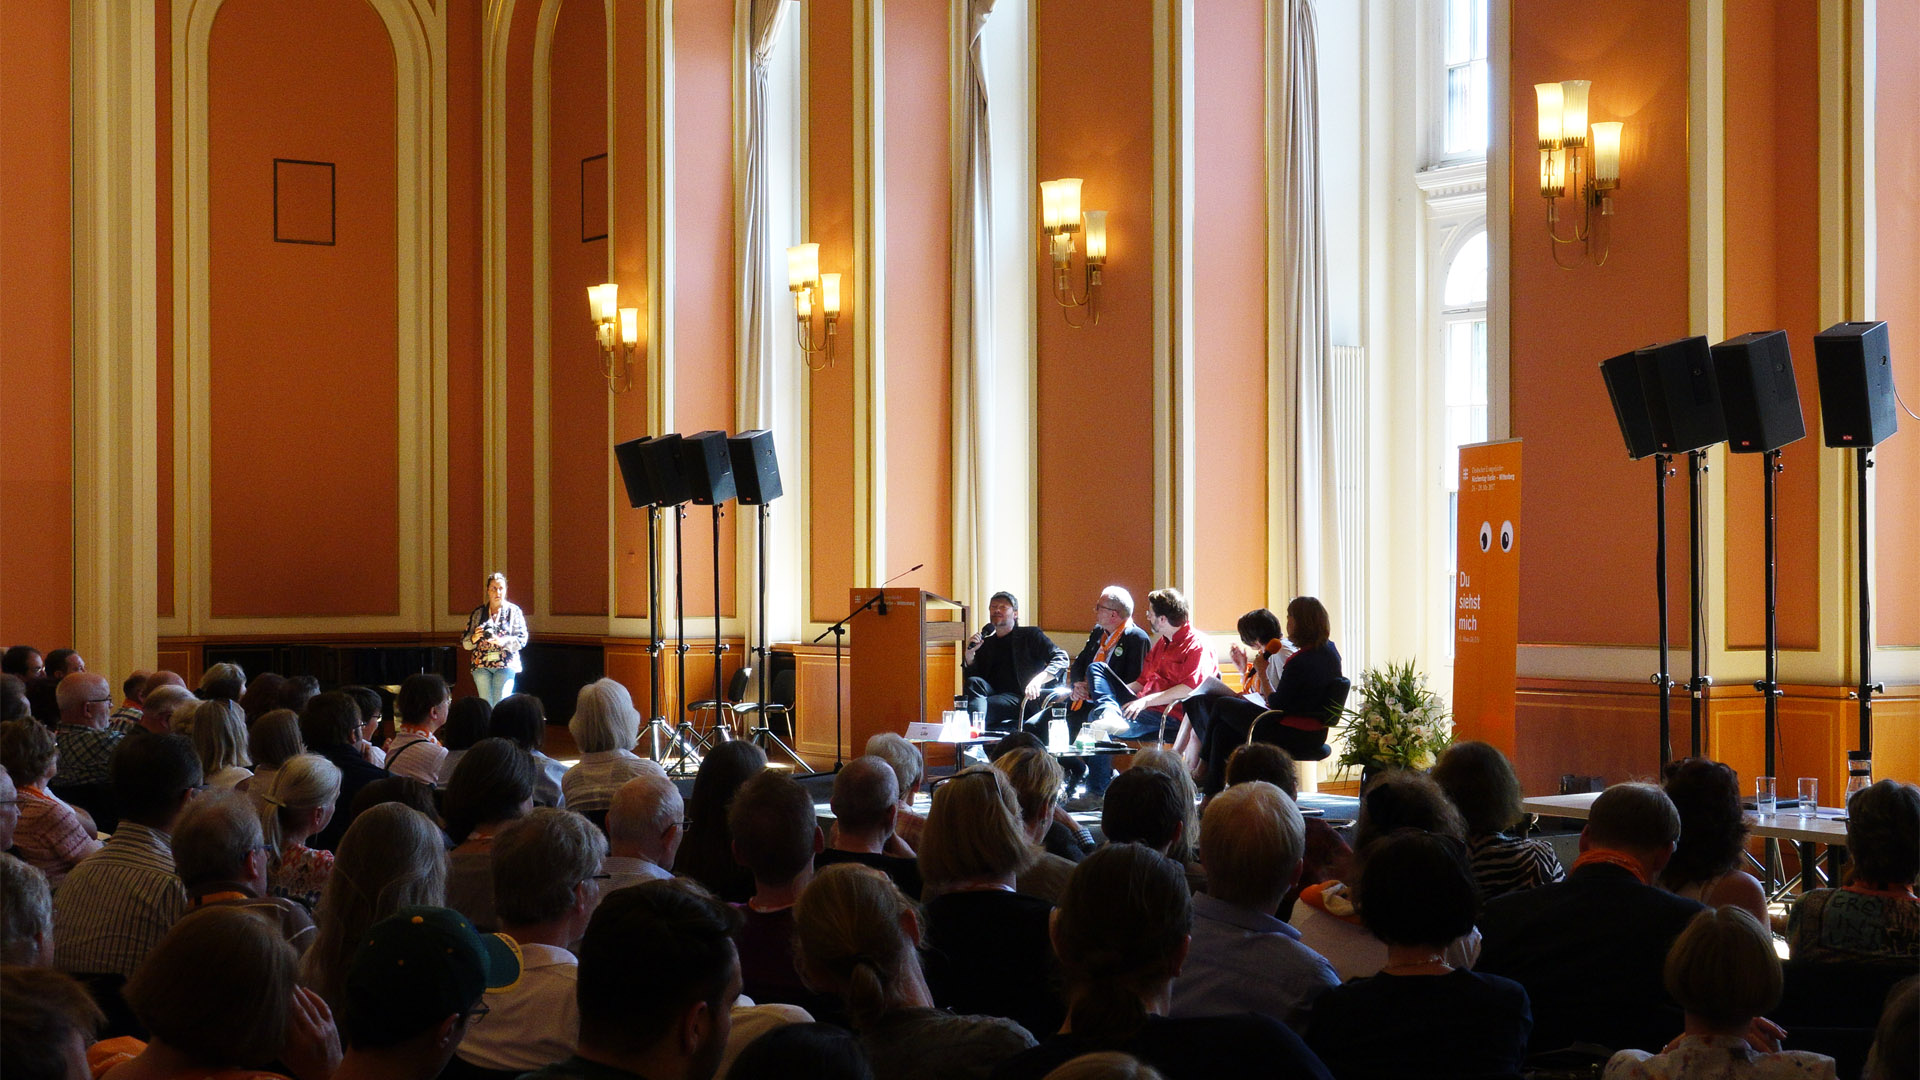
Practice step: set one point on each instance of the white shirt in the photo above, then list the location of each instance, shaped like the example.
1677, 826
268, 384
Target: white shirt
625, 870
534, 1022
422, 761
1718, 1057
1354, 952
590, 785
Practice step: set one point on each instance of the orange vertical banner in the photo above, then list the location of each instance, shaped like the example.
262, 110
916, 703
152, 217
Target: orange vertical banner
1486, 594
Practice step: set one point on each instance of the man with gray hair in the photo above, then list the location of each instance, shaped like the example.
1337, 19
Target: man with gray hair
909, 768
645, 825
1121, 646
26, 919
158, 707
86, 746
1591, 949
221, 857
1242, 958
866, 805
545, 867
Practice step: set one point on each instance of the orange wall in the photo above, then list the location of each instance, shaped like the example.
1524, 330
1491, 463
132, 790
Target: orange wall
830, 213
1095, 385
577, 405
466, 406
36, 543
704, 274
1897, 232
633, 184
919, 332
1229, 311
1589, 507
163, 308
517, 283
304, 498
1773, 283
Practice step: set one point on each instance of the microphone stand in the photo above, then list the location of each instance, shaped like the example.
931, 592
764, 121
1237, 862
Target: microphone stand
1697, 542
719, 647
657, 727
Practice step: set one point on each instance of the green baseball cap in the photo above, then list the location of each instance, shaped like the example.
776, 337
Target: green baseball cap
420, 965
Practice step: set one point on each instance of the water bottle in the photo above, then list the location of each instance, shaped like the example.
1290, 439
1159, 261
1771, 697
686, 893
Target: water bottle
1859, 774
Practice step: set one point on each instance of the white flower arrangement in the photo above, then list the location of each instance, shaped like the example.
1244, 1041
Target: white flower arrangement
1396, 722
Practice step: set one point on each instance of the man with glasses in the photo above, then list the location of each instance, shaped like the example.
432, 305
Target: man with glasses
546, 869
1119, 647
87, 742
221, 857
1009, 665
414, 993
645, 825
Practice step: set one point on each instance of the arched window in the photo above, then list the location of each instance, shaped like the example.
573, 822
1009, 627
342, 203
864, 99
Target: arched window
1463, 348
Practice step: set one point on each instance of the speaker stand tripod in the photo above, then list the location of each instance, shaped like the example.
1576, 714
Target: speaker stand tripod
1863, 460
762, 732
1698, 683
1662, 679
659, 732
685, 739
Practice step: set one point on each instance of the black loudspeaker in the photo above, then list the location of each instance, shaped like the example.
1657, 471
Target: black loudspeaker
1855, 364
703, 458
1682, 396
756, 472
1622, 375
661, 457
633, 472
1757, 392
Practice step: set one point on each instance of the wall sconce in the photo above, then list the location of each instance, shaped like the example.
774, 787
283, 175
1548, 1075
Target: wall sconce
803, 277
618, 332
1060, 218
1572, 163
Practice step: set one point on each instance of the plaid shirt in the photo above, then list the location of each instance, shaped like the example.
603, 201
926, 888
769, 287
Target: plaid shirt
84, 754
125, 719
117, 904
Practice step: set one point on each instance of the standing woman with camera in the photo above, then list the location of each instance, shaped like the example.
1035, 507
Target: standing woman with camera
496, 632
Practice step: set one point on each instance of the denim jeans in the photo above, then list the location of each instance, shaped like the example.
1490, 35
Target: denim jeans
493, 683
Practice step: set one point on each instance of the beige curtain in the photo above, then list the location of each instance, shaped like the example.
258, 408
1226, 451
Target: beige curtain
1300, 283
973, 359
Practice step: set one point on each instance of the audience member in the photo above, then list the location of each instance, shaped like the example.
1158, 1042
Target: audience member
1895, 1053
1121, 936
1724, 973
644, 828
47, 1021
375, 726
1327, 856
9, 810
26, 918
909, 768
1143, 806
13, 698
222, 861
86, 746
222, 682
1105, 1065
115, 906
414, 992
133, 689
23, 662
1173, 765
218, 994
48, 833
706, 855
329, 727
1327, 915
492, 786
296, 691
272, 740
469, 720
1243, 959
1420, 1016
986, 944
522, 718
414, 749
658, 977
1482, 785
300, 803
802, 1052
544, 888
866, 804
1713, 837
262, 697
1875, 916
220, 738
857, 938
1037, 781
605, 727
158, 707
1589, 950
392, 856
775, 837
404, 790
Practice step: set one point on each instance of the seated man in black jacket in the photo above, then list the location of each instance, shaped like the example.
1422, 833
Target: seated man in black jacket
1591, 949
1118, 643
1009, 665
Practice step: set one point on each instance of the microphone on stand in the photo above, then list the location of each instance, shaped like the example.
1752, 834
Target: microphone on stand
881, 605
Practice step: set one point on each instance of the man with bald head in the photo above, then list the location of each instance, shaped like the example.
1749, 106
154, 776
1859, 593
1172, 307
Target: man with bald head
86, 740
644, 828
132, 691
866, 807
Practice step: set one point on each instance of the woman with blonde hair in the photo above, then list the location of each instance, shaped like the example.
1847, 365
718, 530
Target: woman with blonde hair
220, 738
857, 937
298, 804
605, 727
986, 943
390, 857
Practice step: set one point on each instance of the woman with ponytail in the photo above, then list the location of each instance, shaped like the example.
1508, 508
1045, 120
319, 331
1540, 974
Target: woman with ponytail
1121, 933
298, 804
857, 938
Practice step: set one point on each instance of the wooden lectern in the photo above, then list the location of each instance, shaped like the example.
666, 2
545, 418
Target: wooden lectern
905, 665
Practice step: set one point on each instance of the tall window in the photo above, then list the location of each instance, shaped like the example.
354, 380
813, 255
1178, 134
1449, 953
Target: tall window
786, 162
1464, 120
1463, 330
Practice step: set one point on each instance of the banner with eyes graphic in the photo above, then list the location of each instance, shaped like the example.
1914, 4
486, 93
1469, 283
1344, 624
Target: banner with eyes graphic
1486, 594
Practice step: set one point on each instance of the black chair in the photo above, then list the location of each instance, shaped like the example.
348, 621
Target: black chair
1298, 744
1832, 1008
732, 704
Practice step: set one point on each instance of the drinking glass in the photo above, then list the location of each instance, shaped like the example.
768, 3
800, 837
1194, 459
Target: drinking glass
1809, 796
1763, 795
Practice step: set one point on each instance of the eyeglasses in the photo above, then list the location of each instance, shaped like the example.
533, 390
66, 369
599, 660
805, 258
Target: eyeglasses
99, 701
478, 1012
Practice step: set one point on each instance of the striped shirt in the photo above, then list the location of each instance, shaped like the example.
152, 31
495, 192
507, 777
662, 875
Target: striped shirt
117, 904
84, 754
1503, 864
50, 835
